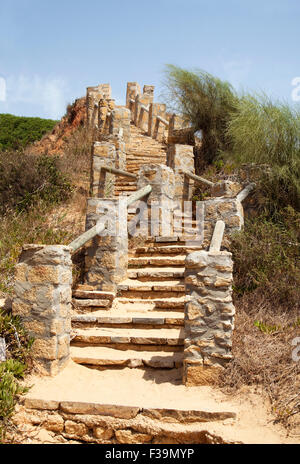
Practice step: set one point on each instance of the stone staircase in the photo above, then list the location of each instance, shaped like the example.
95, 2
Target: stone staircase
144, 325
141, 150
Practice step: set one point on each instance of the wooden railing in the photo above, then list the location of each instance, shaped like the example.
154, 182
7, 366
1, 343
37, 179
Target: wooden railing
216, 241
146, 109
198, 178
118, 172
98, 228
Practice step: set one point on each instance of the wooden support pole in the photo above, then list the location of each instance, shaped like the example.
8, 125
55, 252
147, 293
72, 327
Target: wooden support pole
198, 178
217, 237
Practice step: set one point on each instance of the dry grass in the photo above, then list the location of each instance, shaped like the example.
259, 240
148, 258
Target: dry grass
262, 351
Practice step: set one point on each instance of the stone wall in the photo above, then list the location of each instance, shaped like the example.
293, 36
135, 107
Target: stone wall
42, 298
93, 96
160, 201
106, 260
102, 182
105, 107
112, 424
120, 120
229, 210
133, 89
181, 158
209, 315
156, 129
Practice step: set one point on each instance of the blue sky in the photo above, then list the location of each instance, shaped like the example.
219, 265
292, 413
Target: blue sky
51, 50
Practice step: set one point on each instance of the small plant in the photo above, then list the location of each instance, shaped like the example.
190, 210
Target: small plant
12, 370
269, 329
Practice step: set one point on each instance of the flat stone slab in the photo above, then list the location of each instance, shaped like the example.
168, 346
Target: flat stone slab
126, 393
88, 303
154, 273
108, 357
158, 303
104, 335
167, 239
131, 317
93, 295
165, 286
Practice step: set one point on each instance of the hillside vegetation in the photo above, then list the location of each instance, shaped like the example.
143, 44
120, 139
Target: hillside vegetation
17, 132
254, 132
42, 200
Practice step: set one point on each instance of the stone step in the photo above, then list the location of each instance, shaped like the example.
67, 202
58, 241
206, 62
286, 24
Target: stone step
155, 273
111, 357
154, 304
81, 304
93, 294
130, 317
129, 336
155, 286
157, 261
152, 250
128, 188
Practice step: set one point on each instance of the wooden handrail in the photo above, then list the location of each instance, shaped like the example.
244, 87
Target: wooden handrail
98, 228
198, 178
244, 193
217, 237
164, 121
119, 172
144, 108
138, 195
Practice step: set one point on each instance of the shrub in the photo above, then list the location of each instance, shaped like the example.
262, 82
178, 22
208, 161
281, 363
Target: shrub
266, 258
26, 178
206, 103
17, 132
262, 131
18, 349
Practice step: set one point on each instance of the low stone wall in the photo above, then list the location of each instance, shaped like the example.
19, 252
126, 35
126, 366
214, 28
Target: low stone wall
209, 315
42, 298
112, 424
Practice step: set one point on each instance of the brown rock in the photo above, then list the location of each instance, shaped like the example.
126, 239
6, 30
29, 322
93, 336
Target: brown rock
103, 433
76, 429
127, 436
55, 423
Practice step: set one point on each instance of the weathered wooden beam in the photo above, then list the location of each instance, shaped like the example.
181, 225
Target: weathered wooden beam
119, 172
244, 193
198, 178
86, 236
144, 108
139, 195
217, 237
164, 121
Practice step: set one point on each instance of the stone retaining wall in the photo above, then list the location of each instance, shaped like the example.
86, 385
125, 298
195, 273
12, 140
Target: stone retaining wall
112, 424
42, 298
209, 315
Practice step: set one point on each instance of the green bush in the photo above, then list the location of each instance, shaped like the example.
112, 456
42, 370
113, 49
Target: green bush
13, 369
266, 132
17, 132
24, 179
266, 258
206, 103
